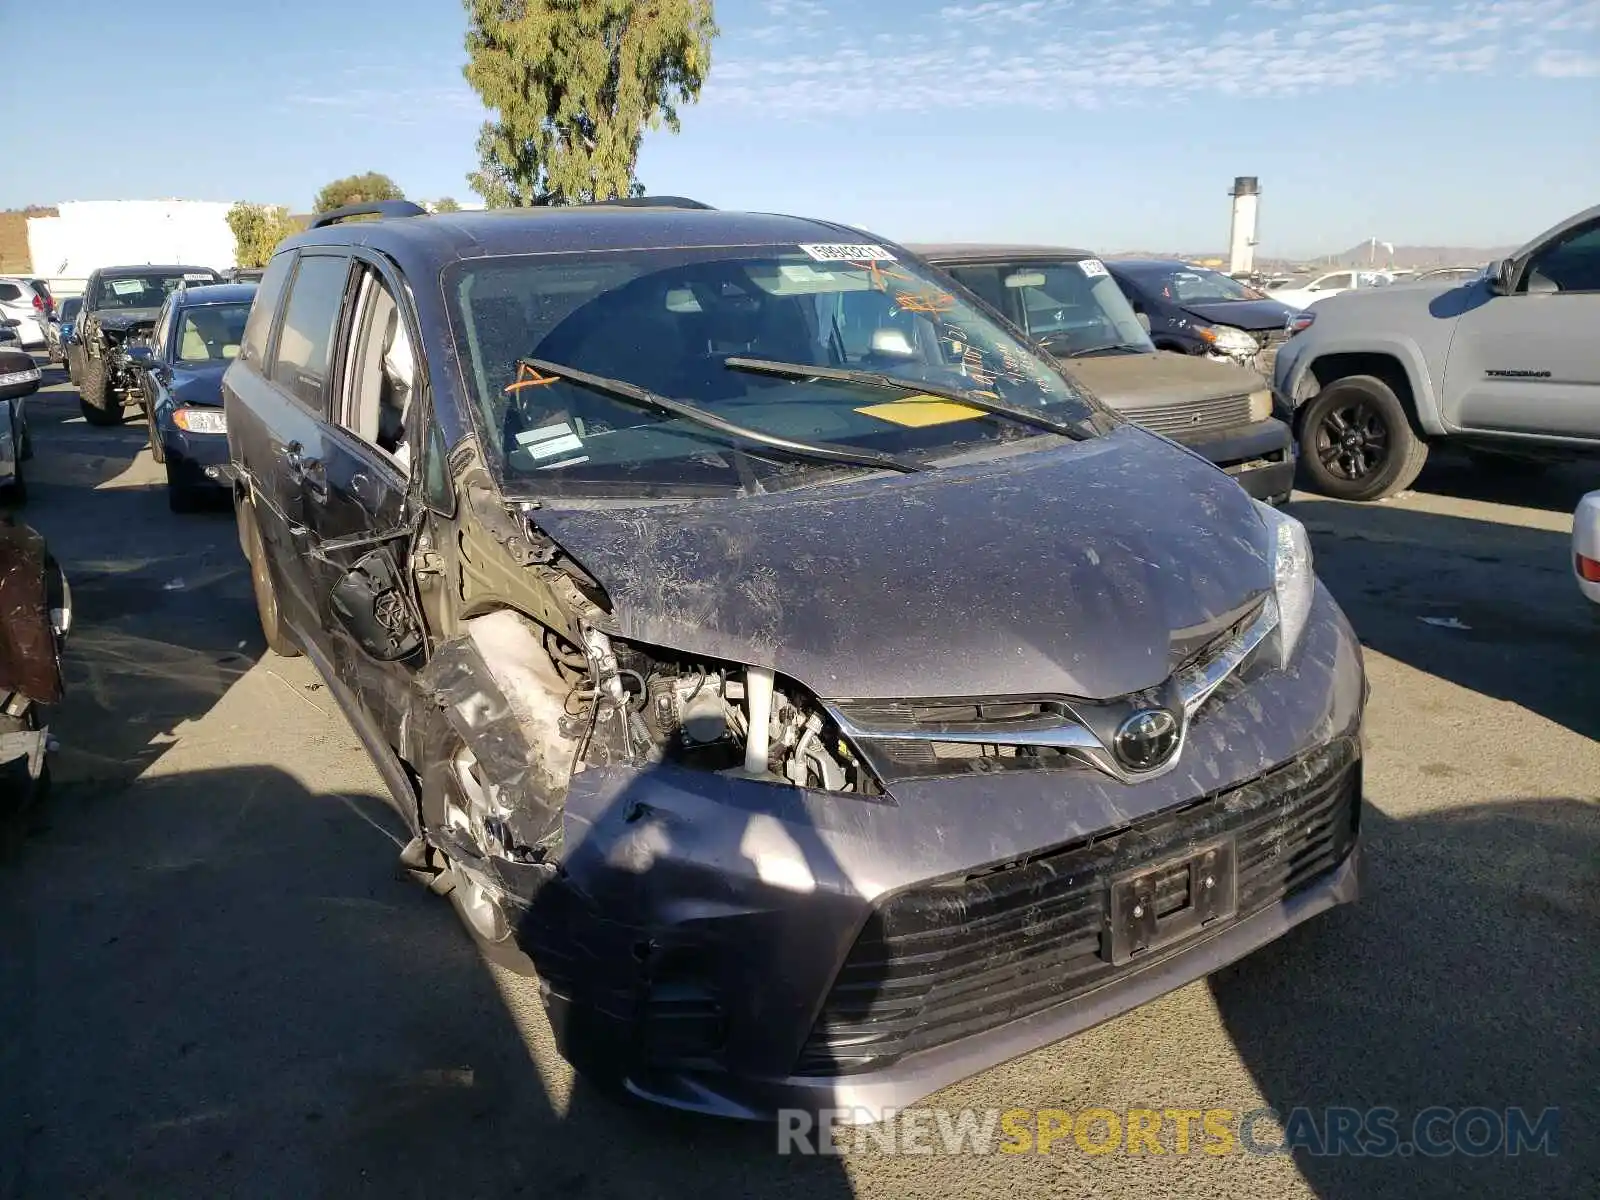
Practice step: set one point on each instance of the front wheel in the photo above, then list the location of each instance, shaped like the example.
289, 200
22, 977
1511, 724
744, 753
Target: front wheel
1357, 441
455, 793
95, 400
15, 493
158, 452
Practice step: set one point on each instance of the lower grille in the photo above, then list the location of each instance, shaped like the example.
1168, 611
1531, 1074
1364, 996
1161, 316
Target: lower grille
1194, 416
946, 960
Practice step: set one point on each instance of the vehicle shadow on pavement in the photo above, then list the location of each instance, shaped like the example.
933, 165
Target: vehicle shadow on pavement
1488, 606
1468, 975
164, 622
1558, 488
222, 986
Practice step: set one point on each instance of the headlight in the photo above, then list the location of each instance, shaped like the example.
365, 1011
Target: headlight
200, 420
1227, 340
1260, 405
1293, 583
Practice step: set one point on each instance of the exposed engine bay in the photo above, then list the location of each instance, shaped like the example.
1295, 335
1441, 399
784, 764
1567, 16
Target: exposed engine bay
645, 708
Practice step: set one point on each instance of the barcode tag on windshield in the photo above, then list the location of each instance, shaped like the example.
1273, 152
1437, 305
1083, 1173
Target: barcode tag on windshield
1093, 267
838, 252
549, 441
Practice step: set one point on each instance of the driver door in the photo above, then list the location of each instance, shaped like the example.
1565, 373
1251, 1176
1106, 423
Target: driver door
1526, 363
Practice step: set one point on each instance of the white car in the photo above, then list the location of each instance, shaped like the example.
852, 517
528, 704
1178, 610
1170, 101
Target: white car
1586, 546
21, 303
1330, 284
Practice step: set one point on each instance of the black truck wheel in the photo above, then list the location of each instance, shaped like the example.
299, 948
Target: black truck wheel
1357, 441
99, 407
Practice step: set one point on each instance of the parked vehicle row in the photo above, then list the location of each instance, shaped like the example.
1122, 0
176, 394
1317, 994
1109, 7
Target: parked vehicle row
769, 642
1070, 303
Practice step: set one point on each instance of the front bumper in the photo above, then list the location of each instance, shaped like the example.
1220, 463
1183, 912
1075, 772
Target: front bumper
1260, 457
705, 933
192, 453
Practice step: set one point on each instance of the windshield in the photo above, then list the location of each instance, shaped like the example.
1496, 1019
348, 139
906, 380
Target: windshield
130, 289
668, 320
70, 307
1072, 307
1201, 285
211, 333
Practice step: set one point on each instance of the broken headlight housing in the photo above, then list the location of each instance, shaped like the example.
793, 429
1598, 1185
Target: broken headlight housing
649, 705
1294, 584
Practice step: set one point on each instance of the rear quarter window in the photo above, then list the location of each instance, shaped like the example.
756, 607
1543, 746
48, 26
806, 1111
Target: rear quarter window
263, 308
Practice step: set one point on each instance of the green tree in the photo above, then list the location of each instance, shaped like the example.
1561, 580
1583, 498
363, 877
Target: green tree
257, 230
442, 204
357, 189
573, 85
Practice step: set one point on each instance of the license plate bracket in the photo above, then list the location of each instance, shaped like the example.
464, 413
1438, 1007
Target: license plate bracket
1168, 901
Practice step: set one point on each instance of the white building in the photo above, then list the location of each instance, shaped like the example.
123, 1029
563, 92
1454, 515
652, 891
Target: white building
105, 233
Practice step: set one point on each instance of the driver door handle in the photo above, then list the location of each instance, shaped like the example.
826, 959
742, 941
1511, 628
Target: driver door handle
314, 477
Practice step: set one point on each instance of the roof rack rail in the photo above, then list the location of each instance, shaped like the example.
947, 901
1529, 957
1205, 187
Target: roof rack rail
374, 208
649, 202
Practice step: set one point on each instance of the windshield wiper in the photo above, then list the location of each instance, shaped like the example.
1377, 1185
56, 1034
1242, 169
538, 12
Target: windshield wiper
645, 398
998, 408
1108, 348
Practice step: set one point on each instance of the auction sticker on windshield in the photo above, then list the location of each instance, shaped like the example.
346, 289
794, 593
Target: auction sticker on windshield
1093, 267
836, 252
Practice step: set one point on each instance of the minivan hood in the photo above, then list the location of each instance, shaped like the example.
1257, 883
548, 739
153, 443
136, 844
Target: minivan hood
1131, 382
1258, 316
1074, 571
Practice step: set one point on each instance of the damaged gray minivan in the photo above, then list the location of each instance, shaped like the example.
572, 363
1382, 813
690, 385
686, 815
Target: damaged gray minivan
824, 694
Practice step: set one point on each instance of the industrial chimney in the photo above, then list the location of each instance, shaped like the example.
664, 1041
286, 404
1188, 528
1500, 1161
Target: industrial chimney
1242, 240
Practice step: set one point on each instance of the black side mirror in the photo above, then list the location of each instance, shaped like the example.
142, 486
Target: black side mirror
141, 354
371, 604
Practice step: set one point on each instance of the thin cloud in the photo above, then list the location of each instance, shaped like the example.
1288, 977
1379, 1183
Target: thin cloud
1065, 54
1562, 64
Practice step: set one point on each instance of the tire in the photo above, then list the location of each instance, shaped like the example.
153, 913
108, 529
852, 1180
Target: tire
1357, 441
273, 630
1508, 464
158, 452
182, 495
446, 797
15, 493
72, 369
94, 397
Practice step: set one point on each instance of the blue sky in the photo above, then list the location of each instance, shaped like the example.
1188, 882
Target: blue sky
1112, 123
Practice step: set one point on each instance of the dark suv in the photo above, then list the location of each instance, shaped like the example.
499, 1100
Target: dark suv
119, 307
772, 649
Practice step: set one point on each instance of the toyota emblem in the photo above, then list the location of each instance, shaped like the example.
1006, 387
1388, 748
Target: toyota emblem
1146, 739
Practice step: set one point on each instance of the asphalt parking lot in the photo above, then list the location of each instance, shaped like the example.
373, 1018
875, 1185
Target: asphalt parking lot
212, 981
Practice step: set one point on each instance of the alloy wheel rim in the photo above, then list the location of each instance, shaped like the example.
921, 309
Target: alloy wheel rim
467, 798
1353, 440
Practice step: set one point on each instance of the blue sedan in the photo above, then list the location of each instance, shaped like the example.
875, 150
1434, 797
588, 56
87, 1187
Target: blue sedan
197, 334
